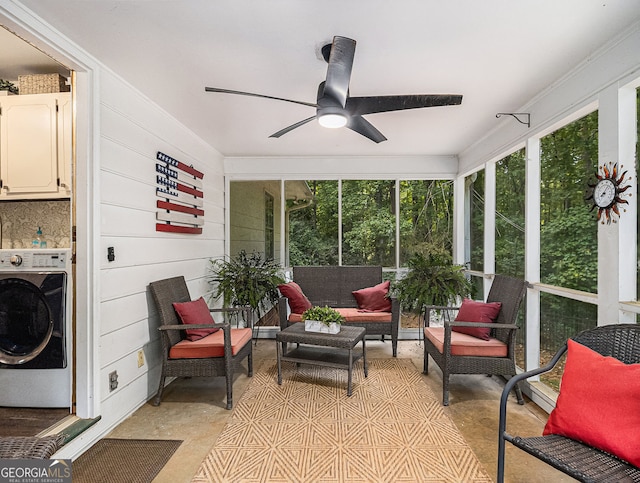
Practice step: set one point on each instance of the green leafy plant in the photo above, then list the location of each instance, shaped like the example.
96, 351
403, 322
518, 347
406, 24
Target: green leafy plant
8, 86
432, 280
246, 280
326, 315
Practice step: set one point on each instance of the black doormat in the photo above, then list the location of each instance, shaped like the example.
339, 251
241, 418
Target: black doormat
123, 460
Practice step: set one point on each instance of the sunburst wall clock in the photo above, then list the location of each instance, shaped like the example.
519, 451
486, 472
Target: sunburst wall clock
606, 193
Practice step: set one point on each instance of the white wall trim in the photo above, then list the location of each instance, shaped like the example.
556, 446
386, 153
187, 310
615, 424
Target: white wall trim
346, 167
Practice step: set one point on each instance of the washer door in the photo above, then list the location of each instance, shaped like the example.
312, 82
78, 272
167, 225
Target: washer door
26, 324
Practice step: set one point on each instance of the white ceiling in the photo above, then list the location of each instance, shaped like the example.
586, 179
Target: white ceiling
498, 54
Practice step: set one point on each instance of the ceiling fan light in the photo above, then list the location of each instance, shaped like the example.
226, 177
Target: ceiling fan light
332, 121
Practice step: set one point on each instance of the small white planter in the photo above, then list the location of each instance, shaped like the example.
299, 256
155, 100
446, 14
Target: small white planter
317, 326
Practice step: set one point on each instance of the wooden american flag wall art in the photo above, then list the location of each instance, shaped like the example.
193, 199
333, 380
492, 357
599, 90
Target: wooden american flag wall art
180, 197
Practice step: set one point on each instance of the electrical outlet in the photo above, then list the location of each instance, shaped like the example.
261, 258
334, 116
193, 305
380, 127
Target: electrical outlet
140, 358
113, 380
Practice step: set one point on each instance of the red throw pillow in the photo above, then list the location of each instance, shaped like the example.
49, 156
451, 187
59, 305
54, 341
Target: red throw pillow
298, 301
195, 312
472, 311
374, 299
599, 403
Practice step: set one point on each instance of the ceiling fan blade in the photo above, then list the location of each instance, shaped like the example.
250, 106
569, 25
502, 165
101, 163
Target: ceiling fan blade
228, 91
292, 127
360, 125
339, 70
370, 105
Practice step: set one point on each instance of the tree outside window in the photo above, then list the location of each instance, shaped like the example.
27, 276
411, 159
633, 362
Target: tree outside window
368, 222
568, 231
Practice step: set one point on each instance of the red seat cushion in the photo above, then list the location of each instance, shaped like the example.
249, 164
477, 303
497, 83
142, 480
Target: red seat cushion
472, 311
374, 299
599, 403
298, 301
211, 345
353, 315
466, 345
195, 312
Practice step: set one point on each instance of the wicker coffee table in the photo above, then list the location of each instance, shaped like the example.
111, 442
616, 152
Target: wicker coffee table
329, 350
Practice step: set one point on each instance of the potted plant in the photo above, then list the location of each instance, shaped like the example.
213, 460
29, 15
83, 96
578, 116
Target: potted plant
432, 279
322, 319
246, 280
8, 87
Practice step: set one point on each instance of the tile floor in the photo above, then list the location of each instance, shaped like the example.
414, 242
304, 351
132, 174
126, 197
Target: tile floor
193, 411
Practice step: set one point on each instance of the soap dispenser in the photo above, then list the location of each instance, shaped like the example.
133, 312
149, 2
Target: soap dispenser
37, 240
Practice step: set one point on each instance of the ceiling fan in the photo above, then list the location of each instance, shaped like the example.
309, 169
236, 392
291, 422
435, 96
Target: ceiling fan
335, 108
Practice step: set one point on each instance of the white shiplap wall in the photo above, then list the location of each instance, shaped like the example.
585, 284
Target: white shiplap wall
132, 130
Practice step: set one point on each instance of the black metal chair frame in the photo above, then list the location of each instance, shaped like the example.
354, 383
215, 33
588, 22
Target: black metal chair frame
165, 293
510, 292
574, 458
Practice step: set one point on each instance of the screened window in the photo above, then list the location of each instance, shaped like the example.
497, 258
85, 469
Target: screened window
368, 222
426, 211
561, 318
348, 222
312, 222
509, 241
568, 231
475, 194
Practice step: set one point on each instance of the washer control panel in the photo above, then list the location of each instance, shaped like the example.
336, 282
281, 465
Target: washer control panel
34, 259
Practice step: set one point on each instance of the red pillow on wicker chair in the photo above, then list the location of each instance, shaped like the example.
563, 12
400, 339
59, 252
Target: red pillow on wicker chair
472, 311
298, 301
599, 403
195, 312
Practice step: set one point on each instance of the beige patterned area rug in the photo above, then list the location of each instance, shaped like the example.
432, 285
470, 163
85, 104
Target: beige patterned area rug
392, 429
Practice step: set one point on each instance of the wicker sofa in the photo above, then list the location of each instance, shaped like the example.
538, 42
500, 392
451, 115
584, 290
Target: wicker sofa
334, 286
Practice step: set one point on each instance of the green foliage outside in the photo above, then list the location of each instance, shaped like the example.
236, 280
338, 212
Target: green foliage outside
369, 222
568, 228
475, 184
509, 250
426, 218
313, 230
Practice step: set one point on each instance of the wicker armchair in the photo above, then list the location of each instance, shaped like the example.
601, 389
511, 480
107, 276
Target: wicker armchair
567, 455
507, 290
28, 447
165, 293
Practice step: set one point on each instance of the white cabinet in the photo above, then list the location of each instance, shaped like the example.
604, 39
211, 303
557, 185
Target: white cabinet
35, 146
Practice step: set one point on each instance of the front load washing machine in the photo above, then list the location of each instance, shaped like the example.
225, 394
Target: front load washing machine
35, 328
